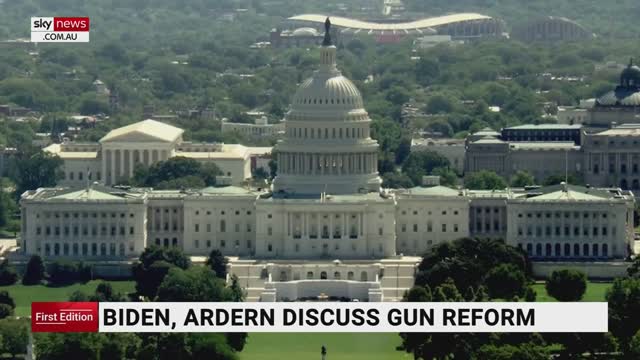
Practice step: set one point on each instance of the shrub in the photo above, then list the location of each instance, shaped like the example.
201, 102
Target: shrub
567, 285
35, 272
8, 275
62, 273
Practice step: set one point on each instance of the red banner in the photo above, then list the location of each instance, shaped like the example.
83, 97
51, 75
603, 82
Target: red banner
64, 317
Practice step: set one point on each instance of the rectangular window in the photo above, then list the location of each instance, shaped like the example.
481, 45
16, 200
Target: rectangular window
444, 227
197, 227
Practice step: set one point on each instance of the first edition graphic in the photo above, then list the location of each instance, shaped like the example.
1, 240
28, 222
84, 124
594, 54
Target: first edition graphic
60, 29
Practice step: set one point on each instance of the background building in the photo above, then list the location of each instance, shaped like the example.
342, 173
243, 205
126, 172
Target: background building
113, 159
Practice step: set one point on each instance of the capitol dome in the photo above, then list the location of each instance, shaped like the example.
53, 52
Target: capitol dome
327, 90
625, 94
305, 31
327, 146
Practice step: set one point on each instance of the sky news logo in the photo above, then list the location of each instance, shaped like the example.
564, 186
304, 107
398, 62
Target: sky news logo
60, 29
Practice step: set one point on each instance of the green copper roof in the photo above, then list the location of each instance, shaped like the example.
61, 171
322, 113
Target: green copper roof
433, 191
86, 194
225, 190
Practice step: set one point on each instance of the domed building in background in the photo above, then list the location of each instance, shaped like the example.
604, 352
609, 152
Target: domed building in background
618, 106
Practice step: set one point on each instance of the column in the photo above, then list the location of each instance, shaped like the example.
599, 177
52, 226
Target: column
344, 233
347, 224
131, 163
104, 166
331, 228
123, 171
113, 168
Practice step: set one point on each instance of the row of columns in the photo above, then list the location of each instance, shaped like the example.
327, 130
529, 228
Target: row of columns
327, 164
617, 160
300, 224
120, 163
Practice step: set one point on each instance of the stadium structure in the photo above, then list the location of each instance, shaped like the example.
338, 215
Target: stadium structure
458, 26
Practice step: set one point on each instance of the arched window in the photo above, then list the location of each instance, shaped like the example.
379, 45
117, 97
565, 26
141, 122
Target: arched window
56, 249
350, 275
323, 275
166, 242
309, 275
538, 249
567, 250
585, 250
103, 249
595, 250
283, 276
547, 249
557, 250
121, 249
94, 249
605, 250
363, 276
336, 275
576, 250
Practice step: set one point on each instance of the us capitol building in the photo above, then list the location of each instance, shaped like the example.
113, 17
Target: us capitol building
326, 226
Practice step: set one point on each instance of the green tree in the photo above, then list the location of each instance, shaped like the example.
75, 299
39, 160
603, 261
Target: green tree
8, 275
419, 294
5, 311
634, 346
5, 298
420, 163
395, 180
210, 346
447, 176
522, 179
154, 264
193, 284
467, 261
624, 310
525, 351
506, 281
485, 180
35, 272
15, 336
218, 263
567, 285
36, 170
64, 346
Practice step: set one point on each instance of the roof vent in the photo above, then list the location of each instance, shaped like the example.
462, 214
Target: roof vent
430, 180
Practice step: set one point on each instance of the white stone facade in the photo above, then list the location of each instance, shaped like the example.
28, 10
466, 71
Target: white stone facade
114, 158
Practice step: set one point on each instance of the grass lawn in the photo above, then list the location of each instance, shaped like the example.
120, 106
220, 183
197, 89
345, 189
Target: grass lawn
595, 292
352, 346
24, 295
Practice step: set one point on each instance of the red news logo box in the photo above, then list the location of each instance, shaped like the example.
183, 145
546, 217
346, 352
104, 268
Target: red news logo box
70, 24
64, 317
